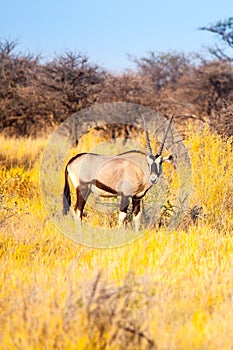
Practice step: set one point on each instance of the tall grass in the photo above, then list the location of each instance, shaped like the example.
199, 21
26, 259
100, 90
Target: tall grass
165, 291
212, 161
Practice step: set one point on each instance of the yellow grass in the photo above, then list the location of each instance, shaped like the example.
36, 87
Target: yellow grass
167, 290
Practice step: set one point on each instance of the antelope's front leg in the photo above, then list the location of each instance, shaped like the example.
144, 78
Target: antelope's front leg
136, 213
123, 210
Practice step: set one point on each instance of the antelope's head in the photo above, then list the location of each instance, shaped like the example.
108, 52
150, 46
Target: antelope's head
155, 162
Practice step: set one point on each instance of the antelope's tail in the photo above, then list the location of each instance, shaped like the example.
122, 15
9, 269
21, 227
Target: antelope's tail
66, 195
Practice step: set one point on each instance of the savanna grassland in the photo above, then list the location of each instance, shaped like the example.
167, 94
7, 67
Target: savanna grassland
167, 290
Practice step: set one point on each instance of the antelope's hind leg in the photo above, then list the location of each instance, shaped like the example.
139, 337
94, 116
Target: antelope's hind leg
82, 193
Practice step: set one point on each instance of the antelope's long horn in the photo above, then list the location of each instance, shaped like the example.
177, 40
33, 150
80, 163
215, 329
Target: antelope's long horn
165, 136
148, 146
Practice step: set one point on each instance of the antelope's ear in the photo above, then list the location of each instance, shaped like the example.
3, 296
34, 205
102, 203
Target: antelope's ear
169, 159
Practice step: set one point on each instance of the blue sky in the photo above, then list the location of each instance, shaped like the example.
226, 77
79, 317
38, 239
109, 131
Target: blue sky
107, 31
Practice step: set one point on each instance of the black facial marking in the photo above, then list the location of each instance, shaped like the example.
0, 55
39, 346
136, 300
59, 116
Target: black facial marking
153, 168
153, 157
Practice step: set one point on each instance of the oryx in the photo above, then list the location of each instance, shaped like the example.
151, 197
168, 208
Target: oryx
128, 175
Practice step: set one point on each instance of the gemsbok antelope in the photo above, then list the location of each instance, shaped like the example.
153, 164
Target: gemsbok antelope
127, 175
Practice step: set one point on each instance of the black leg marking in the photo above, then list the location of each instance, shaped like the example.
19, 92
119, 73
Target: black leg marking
124, 204
136, 212
136, 205
123, 210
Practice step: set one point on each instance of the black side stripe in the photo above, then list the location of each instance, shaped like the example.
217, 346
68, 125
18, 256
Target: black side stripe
103, 187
